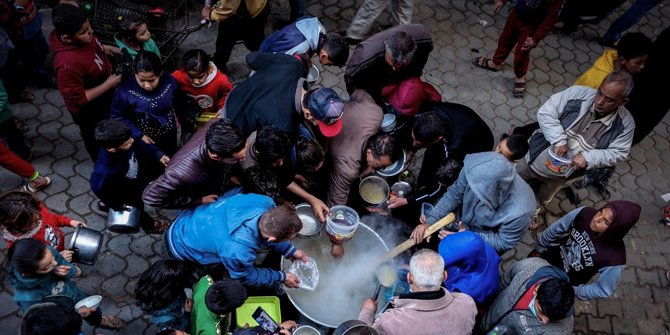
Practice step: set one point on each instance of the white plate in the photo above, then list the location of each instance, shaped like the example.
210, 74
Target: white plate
90, 302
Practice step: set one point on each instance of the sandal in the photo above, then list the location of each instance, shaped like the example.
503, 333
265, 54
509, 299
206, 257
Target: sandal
519, 89
111, 322
37, 185
483, 62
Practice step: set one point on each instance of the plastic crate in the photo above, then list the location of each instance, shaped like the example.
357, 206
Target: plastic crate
269, 303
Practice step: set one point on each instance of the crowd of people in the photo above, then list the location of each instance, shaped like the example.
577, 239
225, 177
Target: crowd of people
216, 168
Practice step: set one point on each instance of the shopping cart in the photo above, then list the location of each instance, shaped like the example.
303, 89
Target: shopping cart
167, 20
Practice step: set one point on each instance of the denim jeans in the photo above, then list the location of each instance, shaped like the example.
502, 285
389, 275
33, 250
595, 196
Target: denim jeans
633, 15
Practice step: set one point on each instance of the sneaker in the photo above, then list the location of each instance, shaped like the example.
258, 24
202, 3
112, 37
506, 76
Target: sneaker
38, 184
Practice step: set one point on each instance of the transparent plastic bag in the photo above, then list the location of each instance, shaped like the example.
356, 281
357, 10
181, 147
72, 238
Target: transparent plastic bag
308, 273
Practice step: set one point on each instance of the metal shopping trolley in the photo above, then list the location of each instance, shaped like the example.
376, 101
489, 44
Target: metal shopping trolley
167, 20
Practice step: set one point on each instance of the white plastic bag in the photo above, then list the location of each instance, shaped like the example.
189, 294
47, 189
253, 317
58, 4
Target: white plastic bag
307, 272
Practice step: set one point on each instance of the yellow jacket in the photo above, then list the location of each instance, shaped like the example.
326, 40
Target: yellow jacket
224, 9
594, 76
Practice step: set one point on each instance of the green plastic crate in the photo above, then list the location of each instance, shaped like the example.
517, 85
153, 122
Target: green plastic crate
269, 303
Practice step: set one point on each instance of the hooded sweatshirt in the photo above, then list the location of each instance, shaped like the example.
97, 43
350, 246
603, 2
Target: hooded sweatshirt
491, 198
299, 37
471, 264
573, 246
79, 68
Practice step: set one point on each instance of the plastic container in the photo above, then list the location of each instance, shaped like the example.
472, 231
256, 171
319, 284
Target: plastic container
341, 223
203, 118
560, 166
270, 304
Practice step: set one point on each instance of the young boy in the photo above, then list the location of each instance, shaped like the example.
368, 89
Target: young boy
307, 36
630, 55
84, 73
118, 178
212, 304
513, 147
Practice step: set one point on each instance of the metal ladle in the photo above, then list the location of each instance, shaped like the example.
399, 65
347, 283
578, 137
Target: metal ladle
386, 276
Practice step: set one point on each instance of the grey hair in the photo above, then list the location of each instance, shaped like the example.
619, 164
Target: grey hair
400, 45
427, 267
622, 77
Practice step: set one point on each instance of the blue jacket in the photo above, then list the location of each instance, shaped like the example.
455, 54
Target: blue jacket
133, 105
299, 37
29, 290
109, 180
226, 231
494, 201
471, 264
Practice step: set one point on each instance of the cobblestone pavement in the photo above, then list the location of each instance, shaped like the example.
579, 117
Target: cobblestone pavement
640, 305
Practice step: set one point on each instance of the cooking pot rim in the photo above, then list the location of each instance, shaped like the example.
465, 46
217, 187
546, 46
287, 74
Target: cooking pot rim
290, 297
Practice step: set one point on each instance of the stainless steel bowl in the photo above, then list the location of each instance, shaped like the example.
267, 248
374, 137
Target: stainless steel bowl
311, 227
125, 221
86, 244
374, 190
401, 188
395, 168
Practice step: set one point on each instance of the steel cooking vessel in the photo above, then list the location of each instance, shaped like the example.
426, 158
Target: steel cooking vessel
124, 221
355, 327
379, 190
343, 282
311, 227
86, 244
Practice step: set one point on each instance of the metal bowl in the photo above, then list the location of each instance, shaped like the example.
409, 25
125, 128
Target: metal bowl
388, 122
311, 227
86, 244
401, 188
395, 168
124, 221
374, 190
313, 74
343, 283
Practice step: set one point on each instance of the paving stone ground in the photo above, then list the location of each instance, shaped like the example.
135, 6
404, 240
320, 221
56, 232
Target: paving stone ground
640, 305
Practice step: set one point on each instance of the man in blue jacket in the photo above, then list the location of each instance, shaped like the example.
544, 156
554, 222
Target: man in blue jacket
231, 230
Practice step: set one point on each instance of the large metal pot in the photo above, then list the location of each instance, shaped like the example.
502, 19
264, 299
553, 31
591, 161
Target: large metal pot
374, 190
86, 244
343, 283
124, 221
355, 327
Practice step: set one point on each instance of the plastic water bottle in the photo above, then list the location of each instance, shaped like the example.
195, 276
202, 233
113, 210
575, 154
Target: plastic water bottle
498, 330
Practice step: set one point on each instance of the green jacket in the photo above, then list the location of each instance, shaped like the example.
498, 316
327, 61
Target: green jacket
5, 108
204, 322
149, 45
